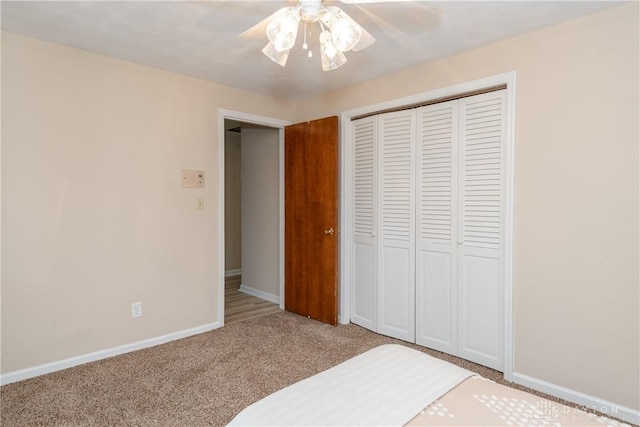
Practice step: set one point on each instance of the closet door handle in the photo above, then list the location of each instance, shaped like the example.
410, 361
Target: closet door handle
329, 231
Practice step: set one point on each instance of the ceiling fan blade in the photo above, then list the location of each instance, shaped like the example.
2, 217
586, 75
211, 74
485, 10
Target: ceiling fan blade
259, 30
366, 40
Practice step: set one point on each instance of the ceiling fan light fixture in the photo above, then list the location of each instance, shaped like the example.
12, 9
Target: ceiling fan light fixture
338, 32
278, 56
283, 30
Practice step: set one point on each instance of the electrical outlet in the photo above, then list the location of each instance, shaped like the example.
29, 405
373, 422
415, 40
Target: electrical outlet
136, 309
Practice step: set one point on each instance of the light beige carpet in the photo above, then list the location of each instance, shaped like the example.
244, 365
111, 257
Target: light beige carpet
198, 381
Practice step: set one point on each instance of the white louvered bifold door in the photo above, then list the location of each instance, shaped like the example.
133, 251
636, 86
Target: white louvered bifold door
364, 306
436, 246
480, 228
396, 224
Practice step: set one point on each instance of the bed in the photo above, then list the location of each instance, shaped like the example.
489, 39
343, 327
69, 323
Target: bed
393, 385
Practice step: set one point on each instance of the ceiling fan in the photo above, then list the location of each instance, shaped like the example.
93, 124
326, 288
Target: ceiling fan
338, 32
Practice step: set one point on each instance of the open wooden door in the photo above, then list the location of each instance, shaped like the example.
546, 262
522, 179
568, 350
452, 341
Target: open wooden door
311, 219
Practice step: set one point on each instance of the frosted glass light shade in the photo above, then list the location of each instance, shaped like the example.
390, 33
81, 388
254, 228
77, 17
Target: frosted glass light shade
345, 33
283, 30
278, 56
331, 57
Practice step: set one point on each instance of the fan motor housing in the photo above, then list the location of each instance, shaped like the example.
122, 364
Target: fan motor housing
310, 10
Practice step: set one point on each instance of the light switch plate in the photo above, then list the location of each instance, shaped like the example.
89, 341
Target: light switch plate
189, 178
200, 203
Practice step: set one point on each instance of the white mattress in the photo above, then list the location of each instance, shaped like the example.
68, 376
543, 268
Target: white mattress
385, 386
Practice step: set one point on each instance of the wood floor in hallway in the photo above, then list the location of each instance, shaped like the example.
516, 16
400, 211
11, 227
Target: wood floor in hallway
240, 306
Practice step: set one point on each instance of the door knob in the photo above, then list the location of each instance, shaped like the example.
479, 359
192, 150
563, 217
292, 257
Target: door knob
329, 231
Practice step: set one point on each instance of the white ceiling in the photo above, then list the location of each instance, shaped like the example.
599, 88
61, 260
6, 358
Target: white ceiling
200, 38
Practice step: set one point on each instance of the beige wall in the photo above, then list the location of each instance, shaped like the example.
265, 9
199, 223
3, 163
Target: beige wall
576, 270
260, 216
232, 205
93, 213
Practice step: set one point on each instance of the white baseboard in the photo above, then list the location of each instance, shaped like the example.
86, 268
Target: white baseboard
591, 402
230, 273
260, 294
59, 365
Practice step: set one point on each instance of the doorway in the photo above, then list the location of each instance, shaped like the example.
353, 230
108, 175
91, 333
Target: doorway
251, 216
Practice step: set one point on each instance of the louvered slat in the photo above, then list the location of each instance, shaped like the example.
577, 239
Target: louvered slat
364, 178
436, 180
396, 177
482, 172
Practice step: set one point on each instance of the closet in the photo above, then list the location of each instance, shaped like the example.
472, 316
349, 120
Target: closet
428, 230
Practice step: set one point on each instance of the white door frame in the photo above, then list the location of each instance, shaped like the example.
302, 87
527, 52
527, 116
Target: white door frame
346, 183
259, 120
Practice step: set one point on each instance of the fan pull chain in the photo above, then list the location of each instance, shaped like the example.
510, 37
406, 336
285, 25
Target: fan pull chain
305, 46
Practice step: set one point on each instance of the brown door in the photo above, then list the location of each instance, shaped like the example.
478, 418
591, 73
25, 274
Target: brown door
311, 219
